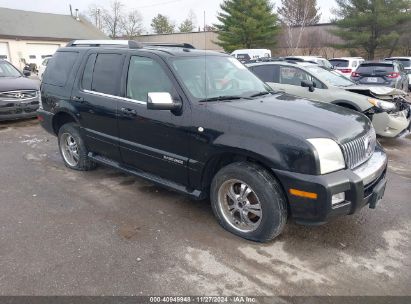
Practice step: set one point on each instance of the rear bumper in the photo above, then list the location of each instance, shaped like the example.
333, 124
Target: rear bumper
46, 120
10, 110
362, 186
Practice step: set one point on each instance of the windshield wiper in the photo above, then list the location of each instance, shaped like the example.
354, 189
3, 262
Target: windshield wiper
222, 98
261, 93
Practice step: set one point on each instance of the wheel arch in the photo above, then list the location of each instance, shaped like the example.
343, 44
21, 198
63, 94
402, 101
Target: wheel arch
60, 118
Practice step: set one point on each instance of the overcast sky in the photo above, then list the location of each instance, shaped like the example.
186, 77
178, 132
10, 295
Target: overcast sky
177, 10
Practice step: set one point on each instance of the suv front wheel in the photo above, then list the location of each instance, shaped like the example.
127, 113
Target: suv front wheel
249, 202
73, 149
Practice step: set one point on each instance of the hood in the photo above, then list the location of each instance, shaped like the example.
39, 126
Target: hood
380, 92
304, 118
18, 83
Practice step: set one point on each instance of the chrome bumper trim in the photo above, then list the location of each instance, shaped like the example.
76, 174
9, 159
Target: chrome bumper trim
373, 168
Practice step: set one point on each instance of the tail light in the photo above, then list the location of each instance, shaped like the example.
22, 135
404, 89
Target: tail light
393, 75
346, 71
355, 74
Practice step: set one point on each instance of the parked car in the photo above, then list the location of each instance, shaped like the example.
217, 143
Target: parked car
322, 62
390, 74
43, 66
245, 55
406, 62
210, 128
19, 96
387, 108
346, 65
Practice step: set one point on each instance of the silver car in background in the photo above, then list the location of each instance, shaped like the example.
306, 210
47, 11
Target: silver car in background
386, 107
406, 63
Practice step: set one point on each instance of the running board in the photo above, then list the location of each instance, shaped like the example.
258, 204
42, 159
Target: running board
195, 194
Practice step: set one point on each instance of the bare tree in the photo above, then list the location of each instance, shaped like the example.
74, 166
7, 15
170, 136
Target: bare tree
113, 18
95, 14
295, 26
132, 24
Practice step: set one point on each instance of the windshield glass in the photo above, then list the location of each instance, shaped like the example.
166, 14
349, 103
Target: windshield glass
329, 77
340, 63
7, 70
217, 76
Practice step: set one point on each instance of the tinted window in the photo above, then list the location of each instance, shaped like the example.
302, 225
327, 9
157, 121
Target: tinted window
88, 72
146, 75
267, 73
59, 68
375, 68
32, 56
339, 63
107, 73
7, 70
292, 75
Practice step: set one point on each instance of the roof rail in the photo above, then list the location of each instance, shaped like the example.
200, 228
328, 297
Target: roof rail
165, 44
132, 44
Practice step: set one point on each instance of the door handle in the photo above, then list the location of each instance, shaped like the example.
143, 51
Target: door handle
77, 99
128, 112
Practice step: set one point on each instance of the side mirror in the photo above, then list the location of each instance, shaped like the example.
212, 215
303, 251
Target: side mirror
308, 84
26, 73
162, 101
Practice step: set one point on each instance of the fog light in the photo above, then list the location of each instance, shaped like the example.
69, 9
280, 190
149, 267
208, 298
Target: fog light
337, 198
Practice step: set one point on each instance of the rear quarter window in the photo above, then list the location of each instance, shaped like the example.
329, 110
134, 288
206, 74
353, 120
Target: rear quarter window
59, 68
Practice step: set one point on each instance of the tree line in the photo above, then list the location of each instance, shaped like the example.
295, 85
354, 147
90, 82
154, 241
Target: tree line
369, 25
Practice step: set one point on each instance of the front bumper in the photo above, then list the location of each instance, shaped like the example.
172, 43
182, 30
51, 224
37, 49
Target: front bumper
362, 186
391, 124
10, 110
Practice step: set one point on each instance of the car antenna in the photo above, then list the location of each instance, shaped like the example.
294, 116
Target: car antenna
205, 57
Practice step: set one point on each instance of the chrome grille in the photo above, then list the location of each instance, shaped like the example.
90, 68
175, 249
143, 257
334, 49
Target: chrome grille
18, 95
359, 150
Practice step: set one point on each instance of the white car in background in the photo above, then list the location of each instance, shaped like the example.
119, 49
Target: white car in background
321, 61
43, 66
406, 62
245, 55
346, 65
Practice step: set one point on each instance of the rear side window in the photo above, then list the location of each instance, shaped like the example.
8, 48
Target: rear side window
267, 73
59, 68
375, 68
107, 74
88, 72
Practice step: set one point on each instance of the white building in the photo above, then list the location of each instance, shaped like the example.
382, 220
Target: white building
28, 37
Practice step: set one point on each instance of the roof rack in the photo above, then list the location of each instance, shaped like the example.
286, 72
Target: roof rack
132, 44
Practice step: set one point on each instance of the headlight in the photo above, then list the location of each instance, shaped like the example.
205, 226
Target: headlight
329, 154
383, 105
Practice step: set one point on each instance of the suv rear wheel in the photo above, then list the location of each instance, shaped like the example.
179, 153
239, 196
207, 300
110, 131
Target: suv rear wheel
73, 149
248, 201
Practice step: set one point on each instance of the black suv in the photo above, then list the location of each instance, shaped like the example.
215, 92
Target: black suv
202, 124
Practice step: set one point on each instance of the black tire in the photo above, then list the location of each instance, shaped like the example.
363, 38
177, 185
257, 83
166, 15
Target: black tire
84, 163
266, 188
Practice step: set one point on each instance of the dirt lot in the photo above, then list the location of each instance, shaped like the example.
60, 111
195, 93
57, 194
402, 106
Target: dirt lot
107, 233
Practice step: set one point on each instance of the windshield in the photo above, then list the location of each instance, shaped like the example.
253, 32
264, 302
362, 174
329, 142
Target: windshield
329, 77
209, 77
7, 70
340, 63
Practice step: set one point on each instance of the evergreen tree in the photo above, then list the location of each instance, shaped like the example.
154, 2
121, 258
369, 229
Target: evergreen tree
162, 25
371, 24
299, 12
246, 24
